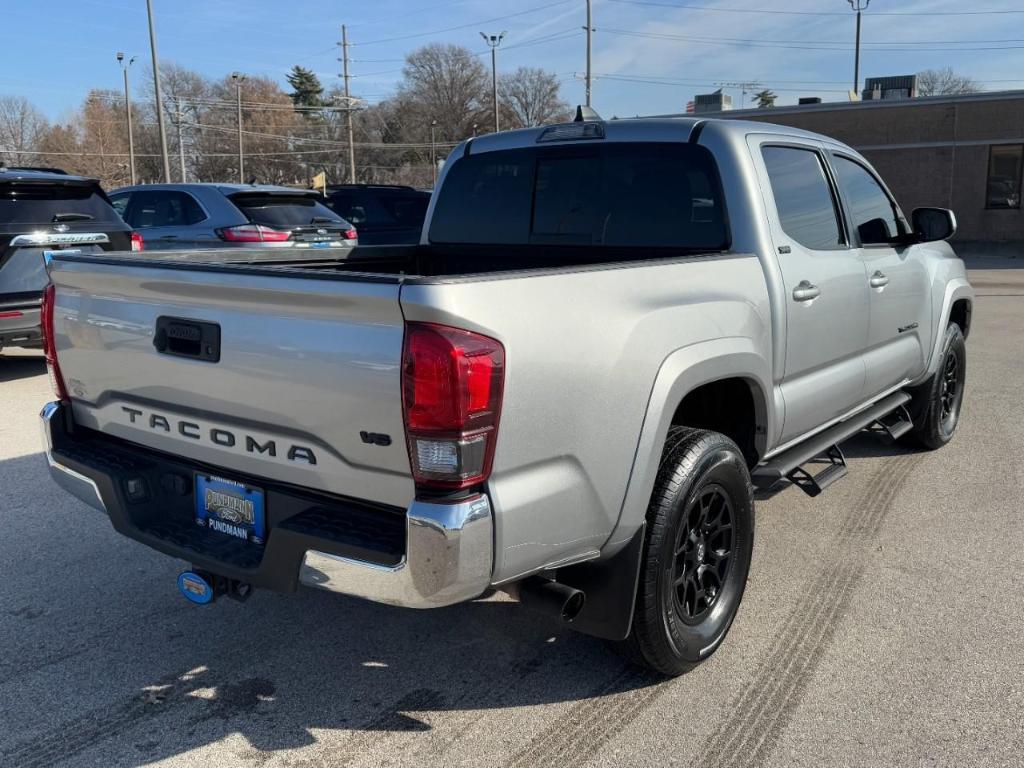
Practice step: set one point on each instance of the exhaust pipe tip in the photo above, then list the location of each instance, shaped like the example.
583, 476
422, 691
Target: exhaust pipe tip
549, 597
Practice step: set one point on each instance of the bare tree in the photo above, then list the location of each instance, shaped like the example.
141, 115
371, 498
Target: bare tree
22, 127
446, 83
530, 97
939, 82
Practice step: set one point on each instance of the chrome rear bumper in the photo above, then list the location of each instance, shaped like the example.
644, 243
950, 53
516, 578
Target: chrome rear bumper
449, 556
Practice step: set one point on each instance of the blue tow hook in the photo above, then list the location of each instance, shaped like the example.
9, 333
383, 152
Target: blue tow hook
195, 588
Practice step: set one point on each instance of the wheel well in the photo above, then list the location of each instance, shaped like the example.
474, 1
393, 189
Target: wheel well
726, 406
961, 315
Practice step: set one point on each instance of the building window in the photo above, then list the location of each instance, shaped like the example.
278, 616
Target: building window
1004, 176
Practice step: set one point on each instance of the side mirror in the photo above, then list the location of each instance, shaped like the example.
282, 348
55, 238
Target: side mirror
931, 224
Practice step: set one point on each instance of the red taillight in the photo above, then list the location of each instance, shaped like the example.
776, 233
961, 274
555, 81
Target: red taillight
138, 244
452, 382
253, 233
351, 234
50, 344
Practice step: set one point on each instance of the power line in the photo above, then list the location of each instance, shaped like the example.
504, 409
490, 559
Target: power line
717, 9
544, 7
753, 43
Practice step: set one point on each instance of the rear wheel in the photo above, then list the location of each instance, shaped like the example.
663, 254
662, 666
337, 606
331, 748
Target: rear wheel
700, 527
937, 402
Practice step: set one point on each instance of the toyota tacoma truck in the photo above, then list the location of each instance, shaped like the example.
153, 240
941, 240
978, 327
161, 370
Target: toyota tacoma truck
609, 335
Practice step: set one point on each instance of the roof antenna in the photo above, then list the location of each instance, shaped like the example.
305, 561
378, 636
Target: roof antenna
585, 114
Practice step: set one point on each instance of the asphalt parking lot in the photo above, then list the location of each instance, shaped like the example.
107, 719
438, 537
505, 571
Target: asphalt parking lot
883, 625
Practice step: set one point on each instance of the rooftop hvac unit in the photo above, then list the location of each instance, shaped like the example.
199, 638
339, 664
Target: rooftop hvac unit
895, 87
712, 102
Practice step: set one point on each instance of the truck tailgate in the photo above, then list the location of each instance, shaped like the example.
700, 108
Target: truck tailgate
303, 388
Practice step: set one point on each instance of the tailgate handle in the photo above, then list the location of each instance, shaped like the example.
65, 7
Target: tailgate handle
187, 338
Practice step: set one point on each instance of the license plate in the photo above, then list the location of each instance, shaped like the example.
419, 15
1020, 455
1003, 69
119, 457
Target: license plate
231, 508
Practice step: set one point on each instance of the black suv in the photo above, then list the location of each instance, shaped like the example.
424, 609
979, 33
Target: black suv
382, 214
45, 209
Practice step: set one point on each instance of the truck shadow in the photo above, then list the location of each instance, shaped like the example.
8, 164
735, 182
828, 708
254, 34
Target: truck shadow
276, 669
13, 367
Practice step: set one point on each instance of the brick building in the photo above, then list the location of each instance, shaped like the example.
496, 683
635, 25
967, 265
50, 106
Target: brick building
960, 152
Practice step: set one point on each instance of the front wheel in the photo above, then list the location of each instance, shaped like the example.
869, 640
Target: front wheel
700, 528
937, 402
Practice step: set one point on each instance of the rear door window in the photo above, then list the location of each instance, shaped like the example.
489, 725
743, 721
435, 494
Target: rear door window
808, 211
284, 211
162, 208
41, 203
616, 194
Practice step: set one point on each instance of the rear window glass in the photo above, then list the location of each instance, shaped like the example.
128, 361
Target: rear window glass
40, 203
406, 210
642, 195
284, 210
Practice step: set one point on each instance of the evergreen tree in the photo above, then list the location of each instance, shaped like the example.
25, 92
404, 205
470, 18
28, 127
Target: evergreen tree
306, 88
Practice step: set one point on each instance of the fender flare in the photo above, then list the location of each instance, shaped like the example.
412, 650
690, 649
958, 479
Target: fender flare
956, 290
680, 373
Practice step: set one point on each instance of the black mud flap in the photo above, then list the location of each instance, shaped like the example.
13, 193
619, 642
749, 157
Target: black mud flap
610, 588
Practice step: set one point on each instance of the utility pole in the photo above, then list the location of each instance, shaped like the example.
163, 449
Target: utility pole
156, 94
348, 107
237, 78
590, 32
858, 6
181, 143
433, 150
128, 113
494, 41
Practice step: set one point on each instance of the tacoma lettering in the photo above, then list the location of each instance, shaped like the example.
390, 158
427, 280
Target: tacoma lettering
219, 436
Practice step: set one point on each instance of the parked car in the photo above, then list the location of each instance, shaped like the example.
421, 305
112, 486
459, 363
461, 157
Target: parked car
383, 214
46, 209
611, 334
172, 216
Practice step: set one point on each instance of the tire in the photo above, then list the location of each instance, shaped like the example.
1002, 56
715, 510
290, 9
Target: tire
702, 486
937, 403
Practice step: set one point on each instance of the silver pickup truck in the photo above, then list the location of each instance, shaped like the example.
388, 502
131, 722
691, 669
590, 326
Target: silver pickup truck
610, 334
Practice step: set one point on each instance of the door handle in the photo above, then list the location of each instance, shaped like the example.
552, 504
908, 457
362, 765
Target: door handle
806, 291
168, 237
878, 280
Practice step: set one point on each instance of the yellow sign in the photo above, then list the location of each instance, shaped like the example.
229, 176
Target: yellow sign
320, 181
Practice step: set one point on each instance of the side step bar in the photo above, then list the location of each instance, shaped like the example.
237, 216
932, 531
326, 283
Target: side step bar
895, 425
825, 445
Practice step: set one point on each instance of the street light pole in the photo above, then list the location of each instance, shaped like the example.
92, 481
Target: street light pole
590, 30
128, 113
494, 41
156, 94
858, 6
237, 78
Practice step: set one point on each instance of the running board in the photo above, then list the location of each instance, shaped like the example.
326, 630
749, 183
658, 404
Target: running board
895, 425
812, 485
824, 445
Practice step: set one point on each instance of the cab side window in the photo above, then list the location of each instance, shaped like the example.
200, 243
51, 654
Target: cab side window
807, 208
873, 212
120, 203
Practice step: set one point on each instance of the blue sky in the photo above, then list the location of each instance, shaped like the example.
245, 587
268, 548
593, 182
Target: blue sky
651, 56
